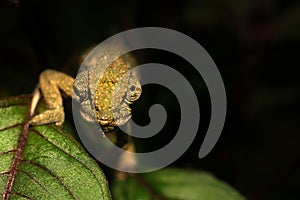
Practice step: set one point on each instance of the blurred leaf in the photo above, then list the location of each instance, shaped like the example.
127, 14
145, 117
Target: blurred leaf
43, 162
175, 184
287, 25
203, 13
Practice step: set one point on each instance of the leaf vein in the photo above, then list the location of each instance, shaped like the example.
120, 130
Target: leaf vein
76, 159
12, 126
52, 174
33, 179
21, 195
7, 152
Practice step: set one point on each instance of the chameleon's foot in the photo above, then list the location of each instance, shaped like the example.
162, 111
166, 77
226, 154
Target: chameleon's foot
56, 116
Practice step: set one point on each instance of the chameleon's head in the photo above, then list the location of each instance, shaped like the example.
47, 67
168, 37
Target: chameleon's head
116, 89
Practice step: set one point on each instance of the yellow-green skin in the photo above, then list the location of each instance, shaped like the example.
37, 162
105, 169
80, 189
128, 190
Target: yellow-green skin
117, 88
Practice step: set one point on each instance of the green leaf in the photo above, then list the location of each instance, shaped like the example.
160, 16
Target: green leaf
43, 162
174, 184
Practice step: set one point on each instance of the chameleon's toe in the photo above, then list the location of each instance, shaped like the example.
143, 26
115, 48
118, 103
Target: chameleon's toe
56, 116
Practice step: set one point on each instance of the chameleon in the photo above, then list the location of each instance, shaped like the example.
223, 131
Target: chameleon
102, 92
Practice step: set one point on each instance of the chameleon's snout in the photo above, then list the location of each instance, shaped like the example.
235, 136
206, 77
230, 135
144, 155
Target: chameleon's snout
104, 118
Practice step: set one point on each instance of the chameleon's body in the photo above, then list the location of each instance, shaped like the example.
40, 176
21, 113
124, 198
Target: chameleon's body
104, 93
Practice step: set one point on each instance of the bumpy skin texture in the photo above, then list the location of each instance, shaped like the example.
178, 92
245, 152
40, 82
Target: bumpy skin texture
104, 94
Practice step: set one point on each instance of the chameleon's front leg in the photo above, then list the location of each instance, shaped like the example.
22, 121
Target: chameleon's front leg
50, 82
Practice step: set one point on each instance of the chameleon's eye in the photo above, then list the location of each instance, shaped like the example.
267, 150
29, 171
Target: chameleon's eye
133, 93
132, 88
82, 97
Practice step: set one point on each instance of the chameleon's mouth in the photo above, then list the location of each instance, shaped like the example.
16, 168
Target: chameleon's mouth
117, 117
109, 125
120, 120
104, 122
